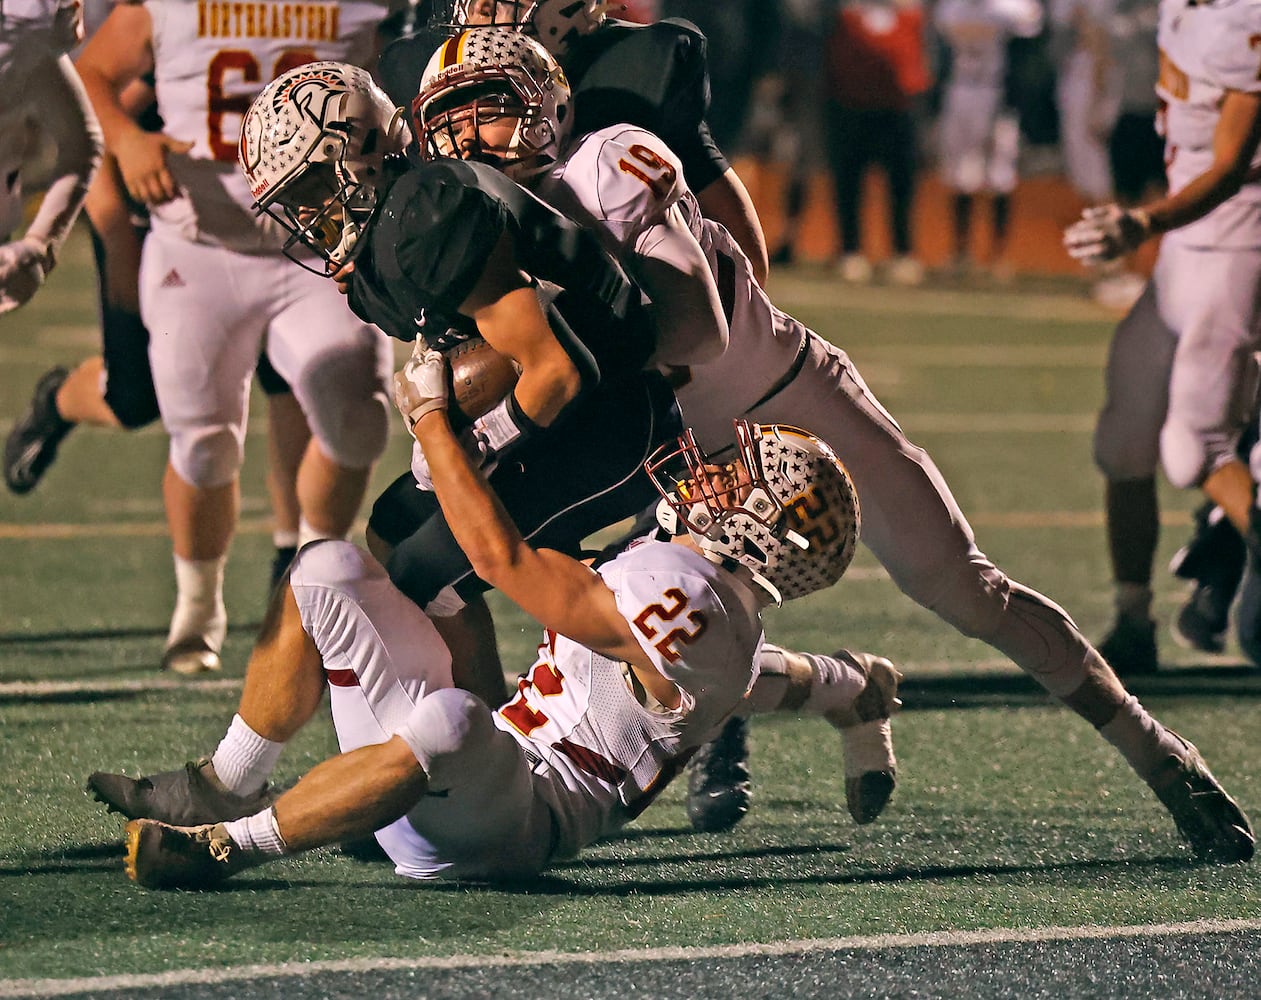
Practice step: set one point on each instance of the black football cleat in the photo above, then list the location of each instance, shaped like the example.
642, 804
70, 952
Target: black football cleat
32, 444
191, 796
1208, 819
718, 789
159, 856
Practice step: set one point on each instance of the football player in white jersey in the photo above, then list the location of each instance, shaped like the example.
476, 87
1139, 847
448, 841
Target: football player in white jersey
979, 136
41, 92
216, 289
623, 182
1181, 374
642, 659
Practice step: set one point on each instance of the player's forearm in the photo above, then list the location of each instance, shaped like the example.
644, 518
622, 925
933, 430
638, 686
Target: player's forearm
1235, 143
116, 124
544, 390
1194, 201
67, 116
727, 201
478, 521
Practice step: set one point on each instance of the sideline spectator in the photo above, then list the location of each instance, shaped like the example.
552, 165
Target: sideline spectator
876, 72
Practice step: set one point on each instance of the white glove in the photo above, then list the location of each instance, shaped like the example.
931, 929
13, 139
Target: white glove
24, 264
1106, 232
471, 444
422, 386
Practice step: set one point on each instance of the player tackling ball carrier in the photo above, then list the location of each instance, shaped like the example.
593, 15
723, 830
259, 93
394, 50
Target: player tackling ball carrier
642, 659
620, 179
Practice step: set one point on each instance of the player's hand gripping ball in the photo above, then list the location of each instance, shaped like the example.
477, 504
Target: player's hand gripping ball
422, 385
480, 378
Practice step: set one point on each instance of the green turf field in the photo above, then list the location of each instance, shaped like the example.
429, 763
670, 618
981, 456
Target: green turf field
1010, 813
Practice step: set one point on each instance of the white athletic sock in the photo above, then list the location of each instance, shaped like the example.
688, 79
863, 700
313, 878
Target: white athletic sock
244, 760
199, 610
1141, 740
307, 532
868, 746
835, 683
258, 834
1134, 601
284, 539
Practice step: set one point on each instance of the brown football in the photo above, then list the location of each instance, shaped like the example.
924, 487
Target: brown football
480, 378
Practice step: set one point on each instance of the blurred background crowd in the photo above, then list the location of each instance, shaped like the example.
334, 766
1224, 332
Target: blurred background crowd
905, 139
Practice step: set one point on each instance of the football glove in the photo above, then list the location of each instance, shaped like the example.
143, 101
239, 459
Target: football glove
1106, 232
24, 264
422, 386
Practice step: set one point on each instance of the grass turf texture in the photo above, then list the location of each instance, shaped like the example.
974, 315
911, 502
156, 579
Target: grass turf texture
1010, 812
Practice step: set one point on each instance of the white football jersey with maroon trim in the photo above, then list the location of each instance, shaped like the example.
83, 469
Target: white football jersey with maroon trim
601, 754
211, 59
1207, 49
619, 182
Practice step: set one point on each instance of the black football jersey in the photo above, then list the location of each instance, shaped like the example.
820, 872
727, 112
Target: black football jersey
428, 246
653, 76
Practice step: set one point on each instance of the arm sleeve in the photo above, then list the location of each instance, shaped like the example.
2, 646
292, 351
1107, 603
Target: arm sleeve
67, 116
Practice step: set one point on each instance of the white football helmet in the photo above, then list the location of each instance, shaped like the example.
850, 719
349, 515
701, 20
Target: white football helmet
486, 76
555, 23
312, 148
783, 506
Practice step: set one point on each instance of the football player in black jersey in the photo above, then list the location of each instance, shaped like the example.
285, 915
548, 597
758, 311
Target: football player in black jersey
451, 250
654, 76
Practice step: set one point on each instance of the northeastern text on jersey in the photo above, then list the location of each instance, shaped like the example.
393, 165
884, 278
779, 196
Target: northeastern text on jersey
315, 22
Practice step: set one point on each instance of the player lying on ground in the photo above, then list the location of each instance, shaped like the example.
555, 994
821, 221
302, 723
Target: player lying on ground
475, 103
642, 659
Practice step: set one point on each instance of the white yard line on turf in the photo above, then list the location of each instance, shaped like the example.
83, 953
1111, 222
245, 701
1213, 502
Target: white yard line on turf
934, 939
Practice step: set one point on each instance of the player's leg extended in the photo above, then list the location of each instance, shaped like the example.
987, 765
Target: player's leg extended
1127, 452
914, 526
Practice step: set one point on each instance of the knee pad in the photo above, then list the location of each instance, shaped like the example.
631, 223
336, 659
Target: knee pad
334, 563
444, 731
345, 402
1189, 456
208, 456
972, 598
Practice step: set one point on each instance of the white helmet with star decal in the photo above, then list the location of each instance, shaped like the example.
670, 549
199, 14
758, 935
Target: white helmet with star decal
312, 148
782, 506
555, 23
488, 75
